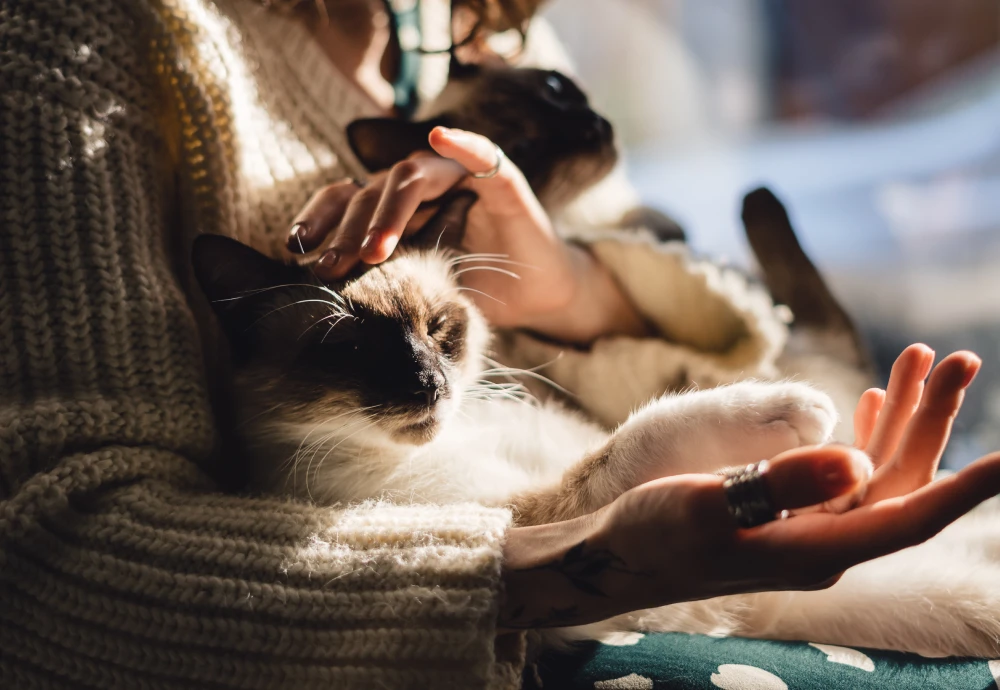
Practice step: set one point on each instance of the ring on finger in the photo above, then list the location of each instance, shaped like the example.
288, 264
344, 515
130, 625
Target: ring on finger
747, 496
492, 172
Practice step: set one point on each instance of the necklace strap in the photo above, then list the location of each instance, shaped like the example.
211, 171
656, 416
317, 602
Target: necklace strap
404, 18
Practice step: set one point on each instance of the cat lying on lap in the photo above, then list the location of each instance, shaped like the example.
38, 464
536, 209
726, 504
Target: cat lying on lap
380, 387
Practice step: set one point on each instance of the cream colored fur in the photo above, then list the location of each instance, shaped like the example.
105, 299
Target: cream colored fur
942, 598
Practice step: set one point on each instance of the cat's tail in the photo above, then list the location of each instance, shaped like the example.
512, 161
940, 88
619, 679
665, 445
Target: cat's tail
794, 280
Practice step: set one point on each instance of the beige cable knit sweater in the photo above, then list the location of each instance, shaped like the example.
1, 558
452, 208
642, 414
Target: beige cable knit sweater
126, 127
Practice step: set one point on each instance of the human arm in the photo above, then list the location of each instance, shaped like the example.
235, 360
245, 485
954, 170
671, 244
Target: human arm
601, 565
121, 563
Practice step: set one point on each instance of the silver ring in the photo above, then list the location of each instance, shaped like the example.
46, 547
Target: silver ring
492, 172
747, 495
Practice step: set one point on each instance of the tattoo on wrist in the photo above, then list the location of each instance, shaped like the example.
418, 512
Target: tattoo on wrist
583, 568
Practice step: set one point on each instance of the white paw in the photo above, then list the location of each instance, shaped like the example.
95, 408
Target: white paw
806, 412
731, 425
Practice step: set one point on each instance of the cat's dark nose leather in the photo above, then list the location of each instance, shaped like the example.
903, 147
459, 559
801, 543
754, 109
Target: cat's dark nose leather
426, 396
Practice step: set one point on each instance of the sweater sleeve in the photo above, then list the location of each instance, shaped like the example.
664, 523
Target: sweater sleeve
120, 564
710, 323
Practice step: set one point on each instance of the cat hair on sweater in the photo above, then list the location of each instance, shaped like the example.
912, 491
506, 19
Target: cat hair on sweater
380, 386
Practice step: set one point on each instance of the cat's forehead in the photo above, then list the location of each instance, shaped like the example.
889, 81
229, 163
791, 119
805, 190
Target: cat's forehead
409, 285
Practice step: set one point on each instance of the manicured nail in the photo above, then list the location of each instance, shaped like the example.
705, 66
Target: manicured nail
299, 239
325, 267
369, 240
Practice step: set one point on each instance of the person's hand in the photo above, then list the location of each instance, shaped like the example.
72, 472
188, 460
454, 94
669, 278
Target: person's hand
904, 429
518, 271
673, 539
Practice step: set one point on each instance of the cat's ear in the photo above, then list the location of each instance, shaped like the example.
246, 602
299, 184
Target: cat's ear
381, 142
462, 70
231, 274
446, 229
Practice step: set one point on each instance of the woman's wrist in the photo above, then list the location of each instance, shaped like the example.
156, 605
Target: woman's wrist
557, 575
597, 307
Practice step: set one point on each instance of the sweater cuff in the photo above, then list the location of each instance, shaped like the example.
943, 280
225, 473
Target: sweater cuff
713, 326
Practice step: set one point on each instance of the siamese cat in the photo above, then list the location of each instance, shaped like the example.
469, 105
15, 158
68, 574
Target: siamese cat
379, 386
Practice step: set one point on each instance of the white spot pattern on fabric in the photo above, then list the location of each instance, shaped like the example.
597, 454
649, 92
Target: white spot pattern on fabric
846, 656
742, 677
629, 682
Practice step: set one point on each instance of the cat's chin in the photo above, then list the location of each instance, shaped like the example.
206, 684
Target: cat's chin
418, 433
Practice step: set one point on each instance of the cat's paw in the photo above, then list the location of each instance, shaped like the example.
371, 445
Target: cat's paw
731, 425
807, 414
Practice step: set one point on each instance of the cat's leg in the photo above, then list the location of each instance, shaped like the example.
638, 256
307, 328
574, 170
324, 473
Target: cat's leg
701, 431
705, 431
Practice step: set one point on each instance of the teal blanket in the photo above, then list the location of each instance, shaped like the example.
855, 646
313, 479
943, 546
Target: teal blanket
695, 662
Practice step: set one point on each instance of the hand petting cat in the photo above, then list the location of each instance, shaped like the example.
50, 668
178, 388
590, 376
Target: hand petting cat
562, 291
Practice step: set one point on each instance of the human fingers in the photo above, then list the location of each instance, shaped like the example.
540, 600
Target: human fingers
797, 478
342, 250
322, 212
906, 382
866, 415
477, 154
898, 523
919, 451
409, 184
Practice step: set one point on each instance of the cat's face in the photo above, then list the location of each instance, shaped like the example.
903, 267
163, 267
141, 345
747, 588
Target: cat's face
540, 118
387, 354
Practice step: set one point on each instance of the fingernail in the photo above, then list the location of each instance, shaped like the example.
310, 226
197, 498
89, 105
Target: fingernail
928, 362
327, 263
369, 241
837, 473
298, 238
971, 371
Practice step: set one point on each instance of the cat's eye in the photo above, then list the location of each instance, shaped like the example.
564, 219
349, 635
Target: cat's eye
555, 85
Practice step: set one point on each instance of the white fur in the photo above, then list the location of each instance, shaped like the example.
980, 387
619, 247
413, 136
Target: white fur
941, 598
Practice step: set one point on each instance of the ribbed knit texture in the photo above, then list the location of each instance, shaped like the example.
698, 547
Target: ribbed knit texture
126, 127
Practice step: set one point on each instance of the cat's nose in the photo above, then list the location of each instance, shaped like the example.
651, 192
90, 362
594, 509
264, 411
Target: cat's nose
426, 396
599, 129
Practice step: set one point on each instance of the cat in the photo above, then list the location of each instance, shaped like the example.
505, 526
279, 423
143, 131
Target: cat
379, 386
541, 119
376, 387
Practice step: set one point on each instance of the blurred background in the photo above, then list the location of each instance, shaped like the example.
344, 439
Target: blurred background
877, 122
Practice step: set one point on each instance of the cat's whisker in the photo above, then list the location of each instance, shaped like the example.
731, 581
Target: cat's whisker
480, 292
316, 446
488, 259
371, 421
337, 309
511, 372
488, 268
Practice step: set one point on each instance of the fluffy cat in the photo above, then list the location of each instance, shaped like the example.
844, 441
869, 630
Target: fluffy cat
375, 388
379, 387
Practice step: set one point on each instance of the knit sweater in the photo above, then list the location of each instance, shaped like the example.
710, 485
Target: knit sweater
126, 128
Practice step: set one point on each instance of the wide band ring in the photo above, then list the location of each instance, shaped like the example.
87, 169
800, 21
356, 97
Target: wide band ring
747, 495
492, 172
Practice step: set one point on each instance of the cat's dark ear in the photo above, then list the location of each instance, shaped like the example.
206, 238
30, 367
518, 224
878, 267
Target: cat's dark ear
381, 142
231, 274
446, 229
462, 70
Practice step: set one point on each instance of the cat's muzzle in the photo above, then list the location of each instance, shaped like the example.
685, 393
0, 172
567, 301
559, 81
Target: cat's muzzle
747, 495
